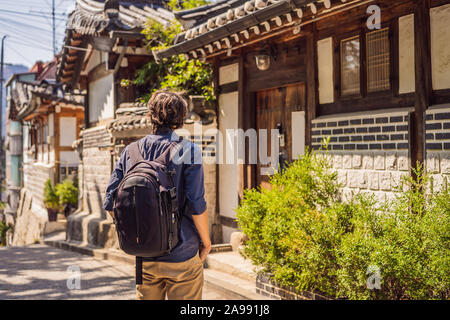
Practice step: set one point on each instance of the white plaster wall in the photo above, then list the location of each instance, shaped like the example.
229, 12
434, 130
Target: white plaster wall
407, 77
229, 73
440, 46
70, 158
94, 60
325, 65
67, 131
101, 99
298, 134
228, 173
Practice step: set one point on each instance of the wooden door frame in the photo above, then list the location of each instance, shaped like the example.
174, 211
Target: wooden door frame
250, 115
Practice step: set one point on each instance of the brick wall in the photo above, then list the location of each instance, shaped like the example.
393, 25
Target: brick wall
368, 150
437, 161
269, 288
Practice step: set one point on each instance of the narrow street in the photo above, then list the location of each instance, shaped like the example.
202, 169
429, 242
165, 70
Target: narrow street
42, 272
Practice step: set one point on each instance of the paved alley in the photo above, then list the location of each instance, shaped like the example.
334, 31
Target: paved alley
43, 272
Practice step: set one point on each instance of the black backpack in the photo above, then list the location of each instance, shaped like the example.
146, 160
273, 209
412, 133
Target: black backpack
146, 206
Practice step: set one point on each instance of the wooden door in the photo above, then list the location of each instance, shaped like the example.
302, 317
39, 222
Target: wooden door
274, 107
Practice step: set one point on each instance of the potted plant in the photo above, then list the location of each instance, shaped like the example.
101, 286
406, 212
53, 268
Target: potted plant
51, 200
67, 193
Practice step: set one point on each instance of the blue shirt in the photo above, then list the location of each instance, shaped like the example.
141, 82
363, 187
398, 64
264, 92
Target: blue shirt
188, 179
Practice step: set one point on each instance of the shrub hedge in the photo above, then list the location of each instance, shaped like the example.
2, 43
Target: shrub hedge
303, 234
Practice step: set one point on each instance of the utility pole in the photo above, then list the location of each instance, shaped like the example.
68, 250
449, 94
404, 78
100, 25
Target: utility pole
54, 27
1, 108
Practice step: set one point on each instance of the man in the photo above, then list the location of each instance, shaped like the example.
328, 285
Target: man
179, 275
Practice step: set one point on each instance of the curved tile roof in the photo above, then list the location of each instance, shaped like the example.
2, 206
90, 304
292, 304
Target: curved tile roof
99, 18
219, 26
93, 17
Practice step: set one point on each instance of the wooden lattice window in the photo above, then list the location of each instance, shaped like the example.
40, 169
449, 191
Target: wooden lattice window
351, 66
378, 60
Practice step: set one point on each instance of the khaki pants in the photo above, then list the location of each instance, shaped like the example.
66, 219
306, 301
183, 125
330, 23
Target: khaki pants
179, 280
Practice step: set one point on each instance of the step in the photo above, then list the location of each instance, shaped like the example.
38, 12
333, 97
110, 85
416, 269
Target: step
99, 253
235, 287
232, 263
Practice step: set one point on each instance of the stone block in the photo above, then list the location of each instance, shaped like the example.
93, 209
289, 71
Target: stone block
367, 162
338, 161
432, 163
353, 179
396, 180
379, 161
237, 239
380, 197
445, 163
356, 161
403, 162
347, 161
342, 177
362, 180
374, 183
391, 161
385, 181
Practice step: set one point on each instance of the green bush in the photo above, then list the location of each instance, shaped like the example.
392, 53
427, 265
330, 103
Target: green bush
305, 237
51, 200
67, 193
408, 241
4, 228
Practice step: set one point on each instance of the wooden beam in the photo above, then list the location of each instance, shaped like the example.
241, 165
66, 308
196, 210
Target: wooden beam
311, 80
423, 78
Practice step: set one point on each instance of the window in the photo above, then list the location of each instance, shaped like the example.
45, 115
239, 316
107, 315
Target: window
350, 66
366, 63
378, 60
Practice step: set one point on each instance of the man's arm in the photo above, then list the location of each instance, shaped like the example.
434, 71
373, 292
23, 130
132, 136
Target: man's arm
116, 177
201, 223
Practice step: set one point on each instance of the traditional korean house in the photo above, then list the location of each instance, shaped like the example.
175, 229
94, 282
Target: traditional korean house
103, 46
43, 122
13, 144
373, 76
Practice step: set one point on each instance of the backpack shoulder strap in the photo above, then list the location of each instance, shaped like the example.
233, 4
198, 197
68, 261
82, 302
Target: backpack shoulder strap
166, 156
135, 154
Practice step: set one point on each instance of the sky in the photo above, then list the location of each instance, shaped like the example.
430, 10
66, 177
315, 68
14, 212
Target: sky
28, 24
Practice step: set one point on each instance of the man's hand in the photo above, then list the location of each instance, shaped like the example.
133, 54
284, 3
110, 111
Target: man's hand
204, 250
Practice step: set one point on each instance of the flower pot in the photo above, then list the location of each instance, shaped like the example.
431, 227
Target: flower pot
52, 214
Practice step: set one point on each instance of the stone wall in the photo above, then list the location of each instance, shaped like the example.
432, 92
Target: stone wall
437, 161
370, 151
35, 176
91, 224
31, 214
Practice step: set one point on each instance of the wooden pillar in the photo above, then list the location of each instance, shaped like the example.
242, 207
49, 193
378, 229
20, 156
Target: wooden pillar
423, 79
241, 125
311, 80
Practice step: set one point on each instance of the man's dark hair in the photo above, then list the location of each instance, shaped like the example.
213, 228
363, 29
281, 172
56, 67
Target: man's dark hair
167, 110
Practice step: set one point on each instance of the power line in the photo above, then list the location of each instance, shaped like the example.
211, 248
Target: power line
27, 14
34, 38
23, 24
30, 45
20, 55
